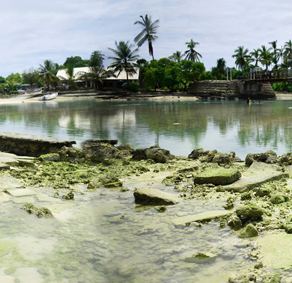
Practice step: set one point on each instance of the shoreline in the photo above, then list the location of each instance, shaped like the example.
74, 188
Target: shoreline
124, 97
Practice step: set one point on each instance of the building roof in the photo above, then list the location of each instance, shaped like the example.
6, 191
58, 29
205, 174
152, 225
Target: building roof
62, 74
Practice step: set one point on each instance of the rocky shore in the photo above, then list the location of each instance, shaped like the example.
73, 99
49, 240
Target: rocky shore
256, 194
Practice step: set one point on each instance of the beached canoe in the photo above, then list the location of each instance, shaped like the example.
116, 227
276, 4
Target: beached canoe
49, 96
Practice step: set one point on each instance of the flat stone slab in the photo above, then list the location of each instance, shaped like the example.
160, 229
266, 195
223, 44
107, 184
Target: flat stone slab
154, 197
257, 174
204, 216
218, 176
21, 192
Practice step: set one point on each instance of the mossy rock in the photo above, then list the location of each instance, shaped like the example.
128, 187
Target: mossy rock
218, 176
278, 198
249, 231
50, 157
42, 212
249, 211
234, 222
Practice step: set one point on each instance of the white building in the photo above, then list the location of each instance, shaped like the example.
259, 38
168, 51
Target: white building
109, 83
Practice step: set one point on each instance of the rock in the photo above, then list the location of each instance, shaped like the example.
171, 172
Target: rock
116, 184
200, 257
139, 154
50, 157
267, 157
249, 231
222, 158
217, 176
158, 154
39, 212
261, 192
198, 152
278, 198
249, 211
257, 174
69, 196
243, 278
200, 217
155, 153
234, 222
154, 197
285, 159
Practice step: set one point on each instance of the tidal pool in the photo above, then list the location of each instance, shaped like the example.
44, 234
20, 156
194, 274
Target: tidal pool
179, 126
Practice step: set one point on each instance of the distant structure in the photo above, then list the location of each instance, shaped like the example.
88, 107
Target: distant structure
109, 83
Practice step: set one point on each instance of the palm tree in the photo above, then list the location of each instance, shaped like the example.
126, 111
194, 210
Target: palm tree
70, 76
288, 52
266, 56
48, 72
177, 56
148, 33
124, 58
255, 55
276, 53
96, 73
242, 59
191, 53
219, 70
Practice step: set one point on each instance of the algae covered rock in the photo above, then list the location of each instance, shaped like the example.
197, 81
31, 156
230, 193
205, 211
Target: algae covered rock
198, 152
249, 231
42, 212
50, 157
249, 211
278, 198
69, 196
234, 222
200, 257
157, 154
218, 176
266, 157
154, 197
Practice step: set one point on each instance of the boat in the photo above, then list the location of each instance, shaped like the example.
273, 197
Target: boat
49, 96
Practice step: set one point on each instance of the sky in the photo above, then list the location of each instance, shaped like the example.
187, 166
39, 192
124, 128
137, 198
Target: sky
36, 30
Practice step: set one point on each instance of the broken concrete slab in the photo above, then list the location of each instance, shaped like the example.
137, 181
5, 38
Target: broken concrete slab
218, 176
204, 216
153, 196
257, 174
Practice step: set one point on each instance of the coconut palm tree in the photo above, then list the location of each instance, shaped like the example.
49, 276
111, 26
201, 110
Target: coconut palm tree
191, 53
177, 56
276, 53
70, 76
48, 72
97, 73
148, 33
266, 56
255, 56
288, 51
124, 58
242, 58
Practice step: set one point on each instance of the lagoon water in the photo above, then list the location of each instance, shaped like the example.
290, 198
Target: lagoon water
179, 126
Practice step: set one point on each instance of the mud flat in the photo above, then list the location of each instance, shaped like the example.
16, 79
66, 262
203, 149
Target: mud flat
80, 207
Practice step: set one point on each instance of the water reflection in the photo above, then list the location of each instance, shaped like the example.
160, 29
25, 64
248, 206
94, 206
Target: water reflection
177, 126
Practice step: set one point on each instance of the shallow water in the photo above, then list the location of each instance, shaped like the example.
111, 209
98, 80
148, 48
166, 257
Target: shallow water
179, 126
